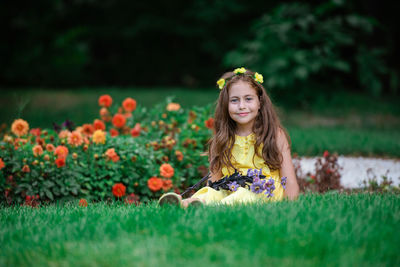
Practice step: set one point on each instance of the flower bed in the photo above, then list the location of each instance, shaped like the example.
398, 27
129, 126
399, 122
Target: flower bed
129, 153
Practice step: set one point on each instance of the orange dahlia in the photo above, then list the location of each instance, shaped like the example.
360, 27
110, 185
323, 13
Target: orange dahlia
37, 150
173, 107
60, 162
75, 138
99, 125
50, 147
113, 132
103, 112
129, 104
83, 202
35, 131
99, 137
118, 190
64, 134
167, 184
179, 155
209, 123
112, 155
166, 170
26, 168
61, 151
19, 127
2, 165
87, 129
105, 101
118, 120
155, 184
135, 132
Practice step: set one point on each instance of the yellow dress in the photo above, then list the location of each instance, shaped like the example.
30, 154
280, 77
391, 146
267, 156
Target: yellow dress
242, 160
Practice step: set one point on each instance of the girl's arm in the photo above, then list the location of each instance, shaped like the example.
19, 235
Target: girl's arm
287, 168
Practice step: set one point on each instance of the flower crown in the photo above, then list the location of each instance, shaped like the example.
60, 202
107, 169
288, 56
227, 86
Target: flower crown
240, 71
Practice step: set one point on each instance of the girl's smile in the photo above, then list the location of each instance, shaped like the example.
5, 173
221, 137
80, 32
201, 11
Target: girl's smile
243, 106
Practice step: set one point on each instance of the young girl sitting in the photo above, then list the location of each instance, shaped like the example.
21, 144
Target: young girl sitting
249, 153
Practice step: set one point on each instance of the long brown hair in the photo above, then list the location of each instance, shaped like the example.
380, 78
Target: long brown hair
266, 127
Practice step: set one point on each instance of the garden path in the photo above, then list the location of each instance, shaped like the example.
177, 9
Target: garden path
357, 169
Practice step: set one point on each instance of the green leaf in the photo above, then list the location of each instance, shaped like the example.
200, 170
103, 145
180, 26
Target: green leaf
49, 194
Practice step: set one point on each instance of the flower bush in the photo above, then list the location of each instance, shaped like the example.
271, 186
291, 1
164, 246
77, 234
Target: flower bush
325, 177
130, 153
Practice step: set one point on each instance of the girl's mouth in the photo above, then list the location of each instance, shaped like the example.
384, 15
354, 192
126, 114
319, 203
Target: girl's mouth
243, 114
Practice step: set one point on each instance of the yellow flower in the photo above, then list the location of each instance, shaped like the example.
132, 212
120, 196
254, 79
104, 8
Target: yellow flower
221, 83
258, 77
99, 137
239, 70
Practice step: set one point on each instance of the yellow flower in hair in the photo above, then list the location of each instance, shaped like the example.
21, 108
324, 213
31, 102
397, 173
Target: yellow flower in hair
221, 83
239, 70
258, 77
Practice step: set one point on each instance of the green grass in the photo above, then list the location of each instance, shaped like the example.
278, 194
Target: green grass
316, 230
345, 140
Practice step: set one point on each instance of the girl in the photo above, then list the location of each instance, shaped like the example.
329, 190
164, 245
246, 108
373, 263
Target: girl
249, 153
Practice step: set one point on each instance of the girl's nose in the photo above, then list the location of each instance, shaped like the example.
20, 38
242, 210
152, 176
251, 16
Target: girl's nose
241, 104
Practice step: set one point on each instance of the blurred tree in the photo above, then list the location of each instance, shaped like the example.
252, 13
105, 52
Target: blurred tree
159, 43
301, 49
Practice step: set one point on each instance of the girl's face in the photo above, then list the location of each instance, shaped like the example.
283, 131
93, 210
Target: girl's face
243, 104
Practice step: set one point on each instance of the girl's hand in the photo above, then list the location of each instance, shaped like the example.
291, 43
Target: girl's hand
287, 168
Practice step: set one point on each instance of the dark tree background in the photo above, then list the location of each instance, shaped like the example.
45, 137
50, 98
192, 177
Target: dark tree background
150, 43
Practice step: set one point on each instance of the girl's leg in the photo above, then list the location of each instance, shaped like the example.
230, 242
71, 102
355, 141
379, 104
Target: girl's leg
192, 202
170, 199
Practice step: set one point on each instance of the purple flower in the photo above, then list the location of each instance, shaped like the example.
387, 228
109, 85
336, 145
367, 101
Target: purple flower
69, 125
268, 192
257, 187
233, 186
250, 173
56, 127
269, 187
283, 182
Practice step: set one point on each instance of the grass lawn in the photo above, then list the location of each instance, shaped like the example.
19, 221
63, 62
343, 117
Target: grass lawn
316, 230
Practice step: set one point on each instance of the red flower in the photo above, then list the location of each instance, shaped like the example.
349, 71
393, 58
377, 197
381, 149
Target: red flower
60, 162
2, 165
118, 190
179, 155
326, 154
112, 155
136, 130
118, 120
129, 104
167, 184
99, 125
132, 199
209, 123
166, 170
26, 168
35, 131
113, 132
83, 202
61, 151
155, 184
105, 101
87, 129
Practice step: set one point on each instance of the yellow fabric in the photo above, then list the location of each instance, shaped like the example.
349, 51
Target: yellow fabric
242, 160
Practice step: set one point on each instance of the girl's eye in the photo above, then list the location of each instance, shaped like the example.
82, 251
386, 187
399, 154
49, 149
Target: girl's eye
249, 99
233, 100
